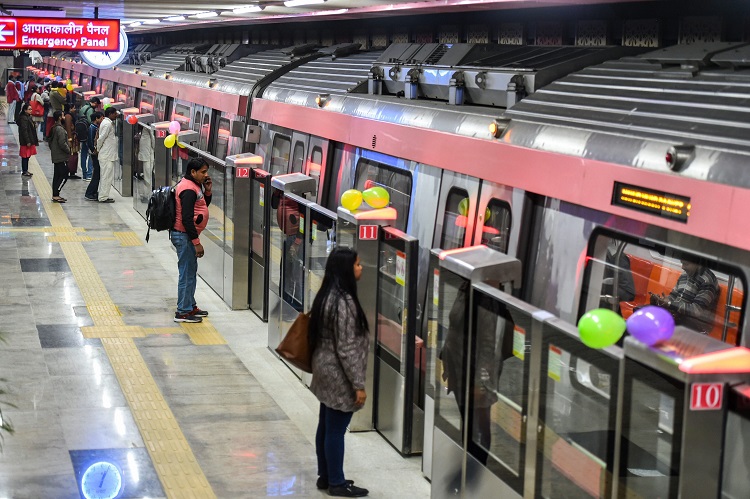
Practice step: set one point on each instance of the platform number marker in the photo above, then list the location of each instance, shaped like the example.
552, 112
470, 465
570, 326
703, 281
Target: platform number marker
706, 396
368, 232
242, 172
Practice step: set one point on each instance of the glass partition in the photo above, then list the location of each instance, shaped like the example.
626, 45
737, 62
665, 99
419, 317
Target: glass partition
216, 224
322, 241
578, 407
291, 221
735, 483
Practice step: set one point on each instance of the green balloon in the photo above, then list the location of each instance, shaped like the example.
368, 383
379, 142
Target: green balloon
376, 197
601, 328
463, 207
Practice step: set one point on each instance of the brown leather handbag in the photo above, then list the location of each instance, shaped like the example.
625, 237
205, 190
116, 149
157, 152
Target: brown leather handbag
294, 348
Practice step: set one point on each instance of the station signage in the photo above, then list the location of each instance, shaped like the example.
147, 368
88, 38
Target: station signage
368, 232
50, 33
706, 396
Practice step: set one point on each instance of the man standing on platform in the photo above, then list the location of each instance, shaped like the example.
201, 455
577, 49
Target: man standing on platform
92, 192
11, 96
192, 197
106, 147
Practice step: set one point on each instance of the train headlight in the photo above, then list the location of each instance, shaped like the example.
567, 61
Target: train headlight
678, 156
322, 100
498, 127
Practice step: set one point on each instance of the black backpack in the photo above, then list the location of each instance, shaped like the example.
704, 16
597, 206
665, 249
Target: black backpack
161, 210
82, 129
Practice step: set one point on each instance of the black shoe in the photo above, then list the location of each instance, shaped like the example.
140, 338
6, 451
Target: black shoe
347, 490
202, 313
89, 199
178, 317
322, 483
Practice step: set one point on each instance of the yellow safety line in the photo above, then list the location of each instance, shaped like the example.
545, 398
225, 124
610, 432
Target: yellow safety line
175, 464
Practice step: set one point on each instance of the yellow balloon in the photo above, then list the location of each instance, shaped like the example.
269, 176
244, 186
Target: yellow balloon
377, 197
69, 86
169, 141
181, 145
351, 199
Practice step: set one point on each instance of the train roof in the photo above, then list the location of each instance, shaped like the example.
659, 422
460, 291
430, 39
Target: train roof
632, 110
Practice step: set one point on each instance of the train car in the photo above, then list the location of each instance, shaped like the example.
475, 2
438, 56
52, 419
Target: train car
616, 177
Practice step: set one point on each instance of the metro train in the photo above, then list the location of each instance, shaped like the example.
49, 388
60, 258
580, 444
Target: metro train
604, 171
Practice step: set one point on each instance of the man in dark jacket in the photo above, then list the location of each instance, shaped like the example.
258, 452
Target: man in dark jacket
92, 192
60, 151
192, 197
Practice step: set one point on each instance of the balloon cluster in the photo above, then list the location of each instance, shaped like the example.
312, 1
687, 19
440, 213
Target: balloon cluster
602, 327
171, 140
376, 197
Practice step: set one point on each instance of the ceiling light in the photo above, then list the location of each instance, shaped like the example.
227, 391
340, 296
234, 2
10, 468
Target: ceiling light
299, 3
135, 24
152, 21
175, 18
204, 15
247, 9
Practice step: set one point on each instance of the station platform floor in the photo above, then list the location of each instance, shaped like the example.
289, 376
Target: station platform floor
95, 370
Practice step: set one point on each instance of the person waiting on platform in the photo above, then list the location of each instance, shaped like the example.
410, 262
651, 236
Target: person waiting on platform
192, 198
92, 191
11, 96
27, 138
338, 334
60, 152
106, 147
692, 302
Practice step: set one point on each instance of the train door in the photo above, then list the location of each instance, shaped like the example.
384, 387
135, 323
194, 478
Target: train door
161, 108
281, 150
456, 212
146, 104
498, 222
201, 123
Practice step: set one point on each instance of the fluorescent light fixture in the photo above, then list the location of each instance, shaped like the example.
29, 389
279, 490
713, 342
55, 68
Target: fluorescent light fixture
204, 15
299, 3
247, 9
152, 21
175, 18
135, 24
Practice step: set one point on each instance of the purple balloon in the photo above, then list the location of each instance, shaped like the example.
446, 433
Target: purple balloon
651, 324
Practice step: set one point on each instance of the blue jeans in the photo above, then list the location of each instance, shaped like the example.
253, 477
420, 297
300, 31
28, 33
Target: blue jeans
329, 444
85, 166
187, 264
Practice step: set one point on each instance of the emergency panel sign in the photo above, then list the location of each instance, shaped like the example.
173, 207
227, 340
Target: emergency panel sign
368, 232
706, 396
49, 33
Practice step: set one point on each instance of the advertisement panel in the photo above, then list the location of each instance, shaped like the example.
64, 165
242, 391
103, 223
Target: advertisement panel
59, 34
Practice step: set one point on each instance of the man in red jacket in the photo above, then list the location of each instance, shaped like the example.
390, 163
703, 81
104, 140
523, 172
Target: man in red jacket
192, 197
11, 96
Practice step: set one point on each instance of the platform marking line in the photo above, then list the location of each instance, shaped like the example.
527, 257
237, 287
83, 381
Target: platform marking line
56, 230
175, 464
128, 238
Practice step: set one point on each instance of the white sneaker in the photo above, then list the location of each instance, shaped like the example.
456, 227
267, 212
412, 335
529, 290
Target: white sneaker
87, 180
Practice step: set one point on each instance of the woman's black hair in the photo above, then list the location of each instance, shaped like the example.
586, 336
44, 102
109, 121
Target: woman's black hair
338, 282
23, 109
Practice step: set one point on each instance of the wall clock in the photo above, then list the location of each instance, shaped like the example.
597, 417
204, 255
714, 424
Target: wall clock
106, 60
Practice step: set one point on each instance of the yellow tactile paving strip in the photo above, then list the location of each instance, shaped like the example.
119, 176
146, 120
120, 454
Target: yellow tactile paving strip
128, 238
175, 464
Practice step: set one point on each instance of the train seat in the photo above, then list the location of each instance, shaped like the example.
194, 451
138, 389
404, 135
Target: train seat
641, 270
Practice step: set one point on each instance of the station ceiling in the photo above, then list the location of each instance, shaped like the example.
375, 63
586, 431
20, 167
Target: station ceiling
152, 14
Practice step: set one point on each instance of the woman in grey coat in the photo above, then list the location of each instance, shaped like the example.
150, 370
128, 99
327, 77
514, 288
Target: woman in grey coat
338, 333
60, 151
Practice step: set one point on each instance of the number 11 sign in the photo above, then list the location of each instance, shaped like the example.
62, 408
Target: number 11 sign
368, 232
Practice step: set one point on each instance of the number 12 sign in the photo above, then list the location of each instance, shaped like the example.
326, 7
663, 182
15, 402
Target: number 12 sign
706, 396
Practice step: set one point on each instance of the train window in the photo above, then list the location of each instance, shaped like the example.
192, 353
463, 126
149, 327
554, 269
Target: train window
701, 294
162, 111
455, 219
122, 94
222, 139
394, 180
86, 82
181, 114
298, 157
280, 154
205, 129
147, 103
496, 228
315, 166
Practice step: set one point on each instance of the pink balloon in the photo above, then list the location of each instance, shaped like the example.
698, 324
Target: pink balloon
174, 127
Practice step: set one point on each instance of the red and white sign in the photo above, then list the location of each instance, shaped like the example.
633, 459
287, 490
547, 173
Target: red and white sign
242, 172
368, 232
706, 396
50, 33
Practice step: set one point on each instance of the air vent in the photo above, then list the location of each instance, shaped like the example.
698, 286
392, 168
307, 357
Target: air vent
437, 54
374, 141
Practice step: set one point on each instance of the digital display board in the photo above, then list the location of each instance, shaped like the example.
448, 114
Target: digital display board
50, 33
659, 203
